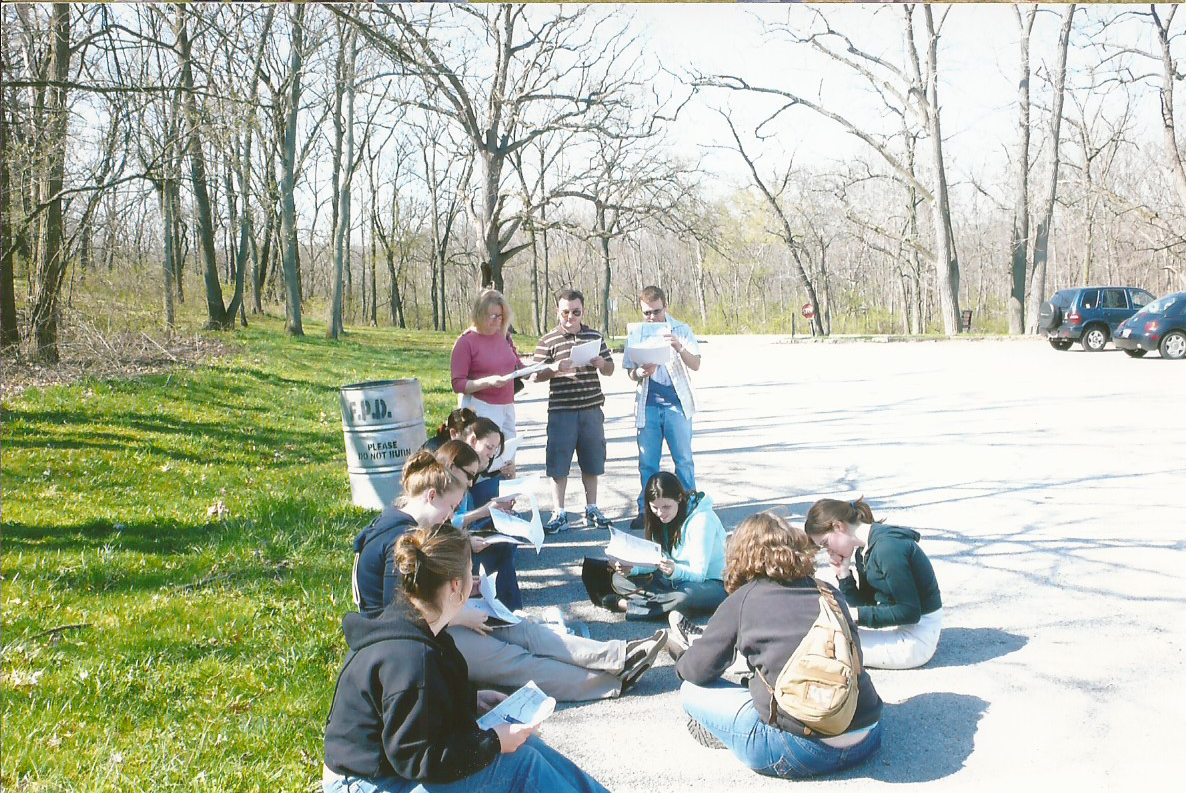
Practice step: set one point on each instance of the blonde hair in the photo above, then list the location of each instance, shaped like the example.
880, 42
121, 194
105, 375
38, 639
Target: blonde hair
766, 546
423, 472
488, 299
431, 557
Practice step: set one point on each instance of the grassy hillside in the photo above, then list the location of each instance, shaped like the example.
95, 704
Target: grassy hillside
176, 551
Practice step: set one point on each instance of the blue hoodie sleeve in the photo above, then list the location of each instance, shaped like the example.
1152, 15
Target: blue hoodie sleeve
702, 533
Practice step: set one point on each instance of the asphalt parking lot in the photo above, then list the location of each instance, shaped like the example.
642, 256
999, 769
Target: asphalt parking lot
1050, 489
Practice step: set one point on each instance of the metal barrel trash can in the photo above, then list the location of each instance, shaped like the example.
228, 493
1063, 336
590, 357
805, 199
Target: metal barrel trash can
383, 425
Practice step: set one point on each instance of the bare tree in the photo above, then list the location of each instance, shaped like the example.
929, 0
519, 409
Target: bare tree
1037, 285
545, 73
1021, 209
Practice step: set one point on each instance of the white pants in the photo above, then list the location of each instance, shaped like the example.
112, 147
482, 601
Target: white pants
902, 646
502, 415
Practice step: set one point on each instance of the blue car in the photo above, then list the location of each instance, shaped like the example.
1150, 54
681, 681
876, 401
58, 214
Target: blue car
1088, 314
1161, 325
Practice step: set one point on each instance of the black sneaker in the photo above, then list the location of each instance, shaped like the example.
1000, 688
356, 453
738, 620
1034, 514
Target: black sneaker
638, 524
703, 736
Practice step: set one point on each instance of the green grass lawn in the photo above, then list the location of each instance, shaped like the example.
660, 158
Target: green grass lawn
208, 646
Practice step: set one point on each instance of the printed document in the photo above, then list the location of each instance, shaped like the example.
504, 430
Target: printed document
529, 705
488, 602
633, 550
584, 352
531, 530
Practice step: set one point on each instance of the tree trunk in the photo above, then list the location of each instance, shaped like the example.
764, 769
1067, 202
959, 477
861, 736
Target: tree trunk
292, 270
1169, 74
52, 264
217, 317
700, 302
603, 237
343, 167
946, 264
1021, 209
168, 268
1037, 286
10, 335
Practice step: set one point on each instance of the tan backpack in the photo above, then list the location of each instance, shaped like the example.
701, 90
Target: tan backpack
819, 684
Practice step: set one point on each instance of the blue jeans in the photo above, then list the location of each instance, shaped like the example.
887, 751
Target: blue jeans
500, 558
727, 711
665, 424
534, 767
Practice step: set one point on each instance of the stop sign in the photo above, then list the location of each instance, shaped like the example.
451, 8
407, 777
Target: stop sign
808, 310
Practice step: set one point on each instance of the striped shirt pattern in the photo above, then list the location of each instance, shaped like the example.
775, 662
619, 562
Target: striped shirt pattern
575, 390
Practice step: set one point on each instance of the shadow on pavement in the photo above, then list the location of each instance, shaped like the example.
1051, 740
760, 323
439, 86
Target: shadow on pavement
926, 737
968, 646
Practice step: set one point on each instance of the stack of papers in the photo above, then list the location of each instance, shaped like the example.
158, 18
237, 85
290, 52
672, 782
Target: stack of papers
529, 705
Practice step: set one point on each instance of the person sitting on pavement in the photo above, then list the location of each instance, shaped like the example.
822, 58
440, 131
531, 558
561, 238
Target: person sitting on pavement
430, 494
404, 713
894, 591
692, 539
773, 603
452, 429
576, 422
494, 559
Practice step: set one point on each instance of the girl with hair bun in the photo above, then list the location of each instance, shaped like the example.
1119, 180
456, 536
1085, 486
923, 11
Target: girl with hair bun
898, 606
430, 495
403, 716
451, 430
773, 603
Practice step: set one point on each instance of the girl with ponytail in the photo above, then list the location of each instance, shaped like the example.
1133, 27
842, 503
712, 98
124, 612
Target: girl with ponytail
404, 715
884, 573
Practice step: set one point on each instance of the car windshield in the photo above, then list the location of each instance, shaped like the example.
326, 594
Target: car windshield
1160, 306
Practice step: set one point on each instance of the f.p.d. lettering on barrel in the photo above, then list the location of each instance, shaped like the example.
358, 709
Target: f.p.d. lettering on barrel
383, 425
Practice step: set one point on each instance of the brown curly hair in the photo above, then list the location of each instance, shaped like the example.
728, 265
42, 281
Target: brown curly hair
766, 546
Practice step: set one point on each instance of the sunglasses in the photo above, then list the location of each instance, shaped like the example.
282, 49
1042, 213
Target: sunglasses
571, 312
654, 312
493, 317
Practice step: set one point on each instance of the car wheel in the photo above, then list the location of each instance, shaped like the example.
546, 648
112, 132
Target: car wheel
1136, 353
1062, 345
1094, 338
1173, 345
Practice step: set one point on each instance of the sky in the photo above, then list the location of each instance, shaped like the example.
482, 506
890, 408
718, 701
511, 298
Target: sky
978, 62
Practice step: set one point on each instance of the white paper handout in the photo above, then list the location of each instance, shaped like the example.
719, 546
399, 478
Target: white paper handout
529, 369
529, 705
647, 343
584, 352
633, 550
508, 453
488, 602
531, 530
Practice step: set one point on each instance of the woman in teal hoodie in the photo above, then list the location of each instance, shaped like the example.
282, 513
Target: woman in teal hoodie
691, 576
898, 608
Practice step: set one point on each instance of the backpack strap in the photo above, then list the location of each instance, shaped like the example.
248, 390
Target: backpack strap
830, 598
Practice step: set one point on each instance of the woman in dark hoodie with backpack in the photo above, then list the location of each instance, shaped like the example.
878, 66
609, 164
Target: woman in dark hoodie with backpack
403, 717
898, 608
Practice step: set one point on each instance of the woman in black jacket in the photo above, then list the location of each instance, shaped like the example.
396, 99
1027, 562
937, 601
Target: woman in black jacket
772, 604
896, 599
404, 714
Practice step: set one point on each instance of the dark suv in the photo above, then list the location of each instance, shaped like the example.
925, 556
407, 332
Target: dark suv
1088, 314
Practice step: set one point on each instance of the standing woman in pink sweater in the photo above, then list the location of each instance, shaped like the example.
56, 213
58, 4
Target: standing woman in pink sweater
484, 357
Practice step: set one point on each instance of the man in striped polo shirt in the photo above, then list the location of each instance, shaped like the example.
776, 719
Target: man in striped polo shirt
576, 422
